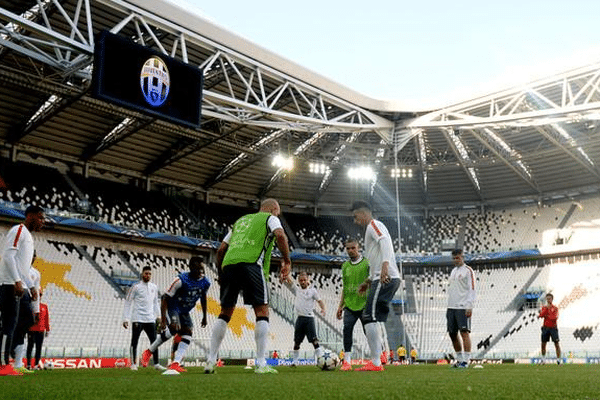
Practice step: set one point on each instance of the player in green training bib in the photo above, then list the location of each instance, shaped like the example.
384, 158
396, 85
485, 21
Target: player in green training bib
243, 261
354, 273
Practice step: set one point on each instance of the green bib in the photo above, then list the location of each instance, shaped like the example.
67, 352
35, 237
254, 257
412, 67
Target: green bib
352, 276
250, 242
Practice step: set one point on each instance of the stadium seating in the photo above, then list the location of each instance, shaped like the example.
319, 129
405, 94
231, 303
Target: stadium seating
501, 316
86, 305
86, 300
126, 205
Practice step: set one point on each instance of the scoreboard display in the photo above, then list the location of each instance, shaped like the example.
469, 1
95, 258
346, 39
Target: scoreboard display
140, 78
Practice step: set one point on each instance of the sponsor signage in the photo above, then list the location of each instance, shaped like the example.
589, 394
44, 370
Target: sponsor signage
87, 363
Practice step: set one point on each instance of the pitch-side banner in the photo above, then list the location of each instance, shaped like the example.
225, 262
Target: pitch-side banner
86, 363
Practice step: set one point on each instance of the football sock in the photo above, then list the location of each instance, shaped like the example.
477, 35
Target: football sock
218, 333
467, 356
19, 354
384, 342
348, 357
3, 345
318, 352
132, 355
183, 346
163, 337
374, 339
261, 331
296, 355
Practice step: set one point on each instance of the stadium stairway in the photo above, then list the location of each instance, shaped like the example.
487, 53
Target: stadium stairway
513, 304
517, 301
500, 334
290, 232
126, 262
179, 205
72, 185
460, 238
99, 269
567, 216
410, 305
327, 331
281, 307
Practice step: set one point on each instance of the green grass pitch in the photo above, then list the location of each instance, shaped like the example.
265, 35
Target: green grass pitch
234, 382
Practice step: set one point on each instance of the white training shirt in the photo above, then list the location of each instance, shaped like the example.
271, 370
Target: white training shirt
141, 304
379, 248
36, 278
273, 223
305, 300
17, 255
461, 288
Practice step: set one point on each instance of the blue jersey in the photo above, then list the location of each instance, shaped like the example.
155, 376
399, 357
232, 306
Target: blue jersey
186, 296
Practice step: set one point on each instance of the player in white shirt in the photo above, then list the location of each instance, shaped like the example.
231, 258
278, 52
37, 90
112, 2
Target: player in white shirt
306, 296
142, 308
461, 297
383, 281
15, 279
29, 311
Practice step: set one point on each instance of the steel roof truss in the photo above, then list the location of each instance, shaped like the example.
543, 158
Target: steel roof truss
421, 155
58, 50
50, 108
460, 151
554, 135
505, 154
183, 148
591, 87
124, 129
38, 40
511, 108
238, 162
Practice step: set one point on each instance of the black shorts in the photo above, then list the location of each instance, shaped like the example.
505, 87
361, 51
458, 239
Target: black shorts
9, 309
379, 298
457, 321
548, 333
305, 327
245, 278
26, 316
176, 317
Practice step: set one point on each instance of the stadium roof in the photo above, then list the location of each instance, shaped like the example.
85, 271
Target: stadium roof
534, 142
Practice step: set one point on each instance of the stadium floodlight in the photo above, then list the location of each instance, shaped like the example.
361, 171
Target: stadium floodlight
404, 173
317, 168
286, 163
363, 173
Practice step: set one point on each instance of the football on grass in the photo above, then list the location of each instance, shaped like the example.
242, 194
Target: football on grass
327, 361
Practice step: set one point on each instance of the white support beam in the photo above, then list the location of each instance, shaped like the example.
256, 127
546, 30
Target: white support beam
552, 98
46, 32
505, 154
553, 135
229, 104
463, 158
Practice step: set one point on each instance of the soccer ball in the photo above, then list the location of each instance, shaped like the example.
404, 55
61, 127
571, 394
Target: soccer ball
48, 364
327, 361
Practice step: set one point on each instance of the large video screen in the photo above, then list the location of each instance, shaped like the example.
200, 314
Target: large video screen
146, 80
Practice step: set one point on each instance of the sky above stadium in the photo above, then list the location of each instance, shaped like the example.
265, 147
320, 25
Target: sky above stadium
419, 51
